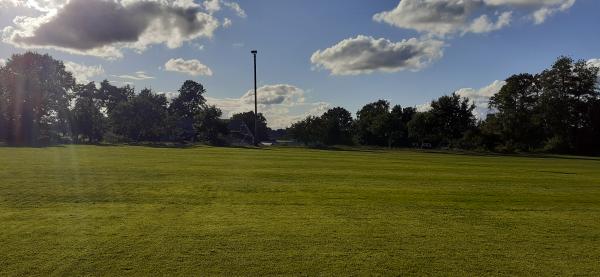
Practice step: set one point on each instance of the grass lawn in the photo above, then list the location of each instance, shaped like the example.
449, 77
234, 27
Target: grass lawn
114, 211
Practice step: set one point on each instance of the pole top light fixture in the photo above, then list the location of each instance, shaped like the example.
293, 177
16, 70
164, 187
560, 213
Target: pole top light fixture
254, 51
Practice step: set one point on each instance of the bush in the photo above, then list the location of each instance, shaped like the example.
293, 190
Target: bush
557, 145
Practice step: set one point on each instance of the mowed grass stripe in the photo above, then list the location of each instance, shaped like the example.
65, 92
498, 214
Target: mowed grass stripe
89, 210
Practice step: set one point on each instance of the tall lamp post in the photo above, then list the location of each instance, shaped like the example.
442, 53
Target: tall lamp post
254, 138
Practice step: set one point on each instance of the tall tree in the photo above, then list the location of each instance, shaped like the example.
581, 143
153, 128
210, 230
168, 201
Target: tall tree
453, 116
4, 125
309, 131
337, 127
141, 118
111, 96
36, 97
190, 100
567, 89
590, 141
517, 113
210, 126
421, 128
450, 117
186, 109
87, 121
373, 124
399, 118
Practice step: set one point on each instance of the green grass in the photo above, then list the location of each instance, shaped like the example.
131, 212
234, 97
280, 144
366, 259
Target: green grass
114, 211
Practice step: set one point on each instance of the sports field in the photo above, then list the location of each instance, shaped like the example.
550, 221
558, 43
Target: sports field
117, 211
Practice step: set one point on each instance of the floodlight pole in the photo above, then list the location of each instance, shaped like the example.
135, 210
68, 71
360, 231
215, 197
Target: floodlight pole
254, 138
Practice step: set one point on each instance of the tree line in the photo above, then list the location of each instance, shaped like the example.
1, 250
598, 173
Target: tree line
557, 110
41, 103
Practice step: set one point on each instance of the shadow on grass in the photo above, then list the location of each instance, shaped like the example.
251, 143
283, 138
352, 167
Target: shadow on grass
5, 145
161, 145
248, 147
171, 145
558, 172
348, 149
517, 155
445, 152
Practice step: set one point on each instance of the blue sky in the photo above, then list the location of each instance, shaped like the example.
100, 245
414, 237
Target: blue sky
313, 54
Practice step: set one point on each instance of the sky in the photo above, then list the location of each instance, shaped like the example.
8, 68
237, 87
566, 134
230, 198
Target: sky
312, 54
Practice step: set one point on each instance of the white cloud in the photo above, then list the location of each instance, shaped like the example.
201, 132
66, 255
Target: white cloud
213, 6
236, 8
122, 83
423, 107
227, 22
2, 62
363, 55
198, 46
542, 8
281, 104
594, 62
525, 3
444, 17
543, 13
433, 16
192, 67
275, 94
481, 97
170, 95
44, 5
39, 5
82, 72
10, 3
104, 28
183, 3
137, 76
483, 24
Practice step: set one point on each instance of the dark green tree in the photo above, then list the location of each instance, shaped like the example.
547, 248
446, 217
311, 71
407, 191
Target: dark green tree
446, 123
517, 113
111, 96
210, 126
453, 116
337, 127
142, 118
421, 128
248, 119
35, 98
186, 109
373, 124
399, 119
87, 121
190, 100
4, 125
590, 141
567, 90
309, 131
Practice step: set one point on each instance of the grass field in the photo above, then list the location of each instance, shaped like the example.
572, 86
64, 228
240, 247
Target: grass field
114, 211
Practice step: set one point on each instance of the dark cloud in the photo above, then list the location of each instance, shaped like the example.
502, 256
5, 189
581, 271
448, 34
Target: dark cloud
84, 25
